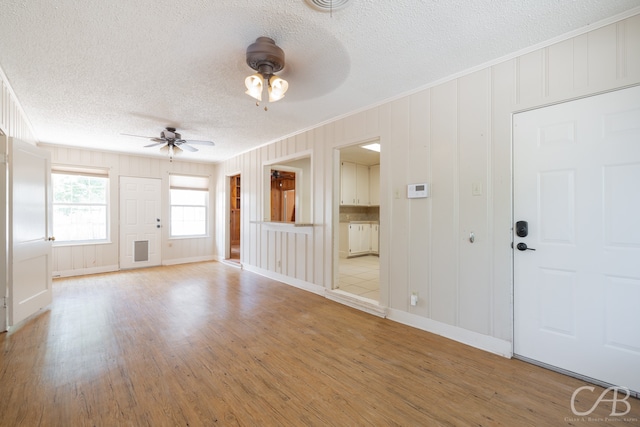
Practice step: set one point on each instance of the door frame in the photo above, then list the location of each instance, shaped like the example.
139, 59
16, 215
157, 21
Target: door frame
333, 291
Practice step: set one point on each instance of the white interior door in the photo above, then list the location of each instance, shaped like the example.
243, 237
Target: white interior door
140, 232
29, 226
577, 184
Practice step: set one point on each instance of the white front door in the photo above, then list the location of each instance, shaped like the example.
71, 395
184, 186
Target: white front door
577, 184
29, 230
140, 222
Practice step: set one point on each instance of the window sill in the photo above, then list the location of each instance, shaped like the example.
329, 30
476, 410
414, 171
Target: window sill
203, 236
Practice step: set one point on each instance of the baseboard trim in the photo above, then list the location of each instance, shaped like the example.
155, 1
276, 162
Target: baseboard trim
84, 271
297, 283
177, 261
474, 339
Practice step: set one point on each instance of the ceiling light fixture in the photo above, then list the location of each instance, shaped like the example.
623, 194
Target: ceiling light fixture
267, 59
373, 147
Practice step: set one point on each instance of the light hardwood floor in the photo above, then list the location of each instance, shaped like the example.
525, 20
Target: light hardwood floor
207, 344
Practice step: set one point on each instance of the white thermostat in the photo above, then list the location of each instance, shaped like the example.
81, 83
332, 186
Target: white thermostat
417, 191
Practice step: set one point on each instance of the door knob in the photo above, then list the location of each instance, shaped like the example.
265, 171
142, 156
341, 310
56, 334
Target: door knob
51, 239
523, 247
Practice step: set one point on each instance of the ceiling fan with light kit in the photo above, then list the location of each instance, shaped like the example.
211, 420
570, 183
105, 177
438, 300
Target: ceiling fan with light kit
172, 142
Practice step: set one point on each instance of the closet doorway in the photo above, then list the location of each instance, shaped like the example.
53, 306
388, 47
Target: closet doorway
358, 270
234, 215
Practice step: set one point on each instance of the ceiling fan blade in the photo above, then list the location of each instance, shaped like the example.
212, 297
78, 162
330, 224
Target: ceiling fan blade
155, 144
137, 136
196, 142
185, 146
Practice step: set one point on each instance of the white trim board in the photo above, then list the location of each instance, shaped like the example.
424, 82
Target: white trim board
464, 336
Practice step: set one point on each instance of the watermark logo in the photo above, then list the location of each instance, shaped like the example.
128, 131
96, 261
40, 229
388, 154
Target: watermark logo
615, 401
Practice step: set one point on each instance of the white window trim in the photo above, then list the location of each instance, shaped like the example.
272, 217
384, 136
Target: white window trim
91, 172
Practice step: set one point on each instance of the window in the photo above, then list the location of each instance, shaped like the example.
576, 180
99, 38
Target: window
80, 211
189, 202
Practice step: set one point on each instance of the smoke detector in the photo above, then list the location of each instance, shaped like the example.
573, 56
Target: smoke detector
328, 5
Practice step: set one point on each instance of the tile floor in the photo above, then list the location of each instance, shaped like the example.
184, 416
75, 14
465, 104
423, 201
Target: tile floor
360, 276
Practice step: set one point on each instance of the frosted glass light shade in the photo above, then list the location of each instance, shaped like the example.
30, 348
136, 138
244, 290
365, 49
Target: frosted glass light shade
254, 85
277, 88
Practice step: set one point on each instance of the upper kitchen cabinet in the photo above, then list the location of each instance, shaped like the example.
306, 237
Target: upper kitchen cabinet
374, 185
359, 184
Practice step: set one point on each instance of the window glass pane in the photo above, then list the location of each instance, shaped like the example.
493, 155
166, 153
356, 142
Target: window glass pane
188, 221
79, 207
73, 223
188, 212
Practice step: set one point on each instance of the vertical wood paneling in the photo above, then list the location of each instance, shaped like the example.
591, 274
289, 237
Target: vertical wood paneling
300, 255
560, 69
474, 289
503, 86
398, 263
306, 258
580, 63
530, 77
632, 47
291, 254
603, 58
444, 158
419, 170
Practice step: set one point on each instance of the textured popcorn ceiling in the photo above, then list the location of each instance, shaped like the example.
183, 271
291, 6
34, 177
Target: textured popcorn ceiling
87, 71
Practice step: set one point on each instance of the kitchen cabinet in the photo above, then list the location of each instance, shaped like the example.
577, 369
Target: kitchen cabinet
354, 184
375, 238
362, 185
374, 185
362, 239
359, 239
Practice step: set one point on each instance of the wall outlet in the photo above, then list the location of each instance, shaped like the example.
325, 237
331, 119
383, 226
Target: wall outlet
414, 298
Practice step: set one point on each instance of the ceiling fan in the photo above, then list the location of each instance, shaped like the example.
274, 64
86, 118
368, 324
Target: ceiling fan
172, 141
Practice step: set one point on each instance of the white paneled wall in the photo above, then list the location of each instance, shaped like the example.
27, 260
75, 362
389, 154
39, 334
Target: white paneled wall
13, 122
457, 136
84, 259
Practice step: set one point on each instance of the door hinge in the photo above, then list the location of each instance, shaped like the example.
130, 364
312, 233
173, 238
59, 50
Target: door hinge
4, 302
4, 159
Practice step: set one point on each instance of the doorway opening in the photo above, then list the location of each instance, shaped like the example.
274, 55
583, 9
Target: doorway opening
234, 214
358, 264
